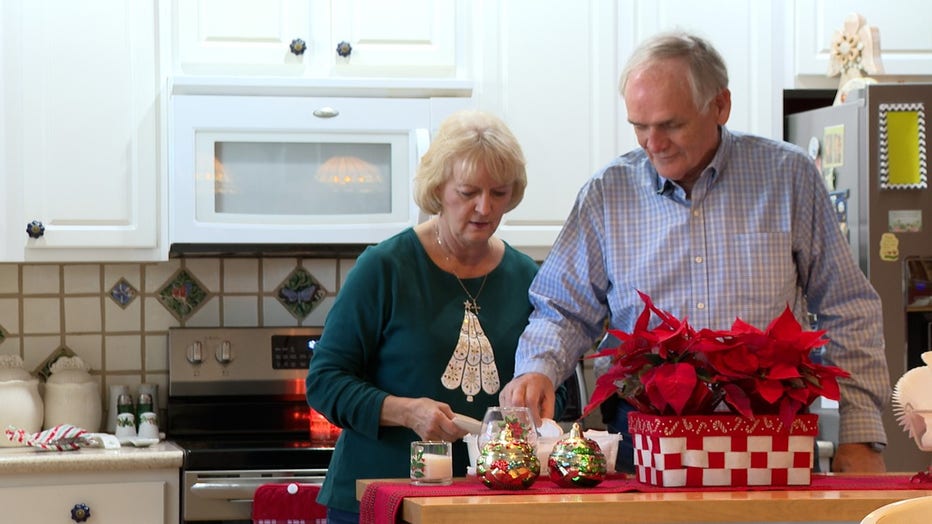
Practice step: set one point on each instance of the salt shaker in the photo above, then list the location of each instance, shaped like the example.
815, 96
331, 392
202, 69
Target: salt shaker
112, 410
125, 404
143, 405
126, 420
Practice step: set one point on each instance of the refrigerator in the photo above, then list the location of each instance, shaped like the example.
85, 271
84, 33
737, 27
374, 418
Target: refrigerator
872, 153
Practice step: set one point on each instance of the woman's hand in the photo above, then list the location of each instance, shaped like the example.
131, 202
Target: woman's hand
430, 419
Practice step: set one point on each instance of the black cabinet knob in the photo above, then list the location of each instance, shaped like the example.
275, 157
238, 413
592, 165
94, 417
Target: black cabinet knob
35, 229
344, 49
80, 513
298, 47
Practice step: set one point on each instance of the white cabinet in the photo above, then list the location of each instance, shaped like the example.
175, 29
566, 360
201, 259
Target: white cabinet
138, 485
105, 503
905, 42
550, 69
557, 94
81, 130
240, 36
251, 37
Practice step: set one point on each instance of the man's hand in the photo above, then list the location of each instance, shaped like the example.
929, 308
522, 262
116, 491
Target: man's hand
857, 458
531, 390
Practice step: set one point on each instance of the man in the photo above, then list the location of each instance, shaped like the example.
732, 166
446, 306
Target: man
712, 225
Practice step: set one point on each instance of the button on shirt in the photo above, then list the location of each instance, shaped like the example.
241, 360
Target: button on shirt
758, 233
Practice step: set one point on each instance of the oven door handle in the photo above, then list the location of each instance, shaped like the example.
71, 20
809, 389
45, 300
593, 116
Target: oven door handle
243, 490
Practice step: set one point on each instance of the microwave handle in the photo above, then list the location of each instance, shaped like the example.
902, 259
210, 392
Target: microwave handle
421, 142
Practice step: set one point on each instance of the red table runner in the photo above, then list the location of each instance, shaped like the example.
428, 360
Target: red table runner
381, 501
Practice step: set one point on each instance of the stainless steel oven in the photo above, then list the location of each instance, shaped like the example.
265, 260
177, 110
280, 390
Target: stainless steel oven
236, 406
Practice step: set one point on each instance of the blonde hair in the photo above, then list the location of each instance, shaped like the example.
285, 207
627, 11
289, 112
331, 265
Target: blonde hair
470, 139
706, 69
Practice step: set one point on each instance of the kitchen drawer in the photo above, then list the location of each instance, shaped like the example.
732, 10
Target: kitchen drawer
109, 503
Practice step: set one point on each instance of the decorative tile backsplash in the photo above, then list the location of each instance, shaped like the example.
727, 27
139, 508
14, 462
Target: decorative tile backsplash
116, 317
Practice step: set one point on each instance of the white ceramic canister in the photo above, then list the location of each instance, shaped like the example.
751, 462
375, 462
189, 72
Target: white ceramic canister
20, 403
72, 396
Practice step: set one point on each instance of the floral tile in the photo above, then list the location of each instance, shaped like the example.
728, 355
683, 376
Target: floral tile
123, 293
182, 295
300, 293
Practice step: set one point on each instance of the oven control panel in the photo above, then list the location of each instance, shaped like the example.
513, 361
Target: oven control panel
293, 351
210, 361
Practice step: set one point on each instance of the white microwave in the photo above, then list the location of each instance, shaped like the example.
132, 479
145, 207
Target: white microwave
293, 170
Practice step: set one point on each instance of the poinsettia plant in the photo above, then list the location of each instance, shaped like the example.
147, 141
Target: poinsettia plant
674, 369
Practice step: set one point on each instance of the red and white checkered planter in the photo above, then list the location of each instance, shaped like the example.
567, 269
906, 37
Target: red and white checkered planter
722, 450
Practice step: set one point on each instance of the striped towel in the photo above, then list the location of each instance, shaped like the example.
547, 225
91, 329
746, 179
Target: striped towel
63, 437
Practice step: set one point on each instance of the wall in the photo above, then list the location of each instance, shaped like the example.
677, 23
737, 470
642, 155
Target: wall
116, 317
46, 309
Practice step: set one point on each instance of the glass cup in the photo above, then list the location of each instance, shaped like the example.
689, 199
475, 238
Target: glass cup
517, 420
431, 463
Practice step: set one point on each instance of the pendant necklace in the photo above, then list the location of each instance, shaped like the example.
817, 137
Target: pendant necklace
472, 365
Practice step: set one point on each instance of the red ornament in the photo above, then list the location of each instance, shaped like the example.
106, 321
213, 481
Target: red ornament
507, 463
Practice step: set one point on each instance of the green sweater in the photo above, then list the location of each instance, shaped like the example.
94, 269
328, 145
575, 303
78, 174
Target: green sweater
392, 330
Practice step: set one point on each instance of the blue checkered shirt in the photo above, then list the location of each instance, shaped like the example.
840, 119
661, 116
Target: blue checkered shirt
758, 233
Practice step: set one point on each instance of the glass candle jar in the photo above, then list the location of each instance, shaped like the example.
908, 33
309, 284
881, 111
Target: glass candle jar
431, 463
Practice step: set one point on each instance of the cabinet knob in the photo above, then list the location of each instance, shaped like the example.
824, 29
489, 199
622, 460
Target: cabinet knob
344, 49
80, 513
298, 47
35, 229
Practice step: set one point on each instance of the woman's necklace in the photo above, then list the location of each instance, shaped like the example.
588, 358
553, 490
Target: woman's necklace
472, 303
472, 366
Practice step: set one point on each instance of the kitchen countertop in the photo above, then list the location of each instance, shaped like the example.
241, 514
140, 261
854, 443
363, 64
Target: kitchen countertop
641, 507
163, 455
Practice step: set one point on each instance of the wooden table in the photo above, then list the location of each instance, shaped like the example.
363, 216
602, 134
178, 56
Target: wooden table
631, 507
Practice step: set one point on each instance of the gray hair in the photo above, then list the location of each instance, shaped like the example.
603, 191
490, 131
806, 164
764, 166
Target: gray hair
708, 75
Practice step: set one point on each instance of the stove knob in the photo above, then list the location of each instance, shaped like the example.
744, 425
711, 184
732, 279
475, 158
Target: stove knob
80, 513
224, 353
195, 353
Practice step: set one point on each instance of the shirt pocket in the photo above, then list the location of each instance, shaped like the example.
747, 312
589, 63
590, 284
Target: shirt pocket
766, 270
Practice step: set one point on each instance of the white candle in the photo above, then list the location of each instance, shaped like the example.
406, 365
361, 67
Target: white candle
437, 467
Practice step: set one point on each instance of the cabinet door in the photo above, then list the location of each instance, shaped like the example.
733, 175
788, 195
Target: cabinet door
560, 97
557, 94
87, 112
245, 36
403, 37
905, 46
117, 503
248, 37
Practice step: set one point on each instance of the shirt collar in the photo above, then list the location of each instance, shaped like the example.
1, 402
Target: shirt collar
665, 187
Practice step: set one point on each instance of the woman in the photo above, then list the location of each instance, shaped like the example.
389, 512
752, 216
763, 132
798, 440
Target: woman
427, 321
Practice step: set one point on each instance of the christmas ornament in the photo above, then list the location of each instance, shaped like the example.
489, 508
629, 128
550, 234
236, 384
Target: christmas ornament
506, 462
577, 461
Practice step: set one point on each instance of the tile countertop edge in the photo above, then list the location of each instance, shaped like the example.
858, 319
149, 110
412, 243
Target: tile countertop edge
164, 455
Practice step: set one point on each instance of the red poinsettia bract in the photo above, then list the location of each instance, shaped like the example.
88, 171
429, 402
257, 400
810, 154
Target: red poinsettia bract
672, 369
